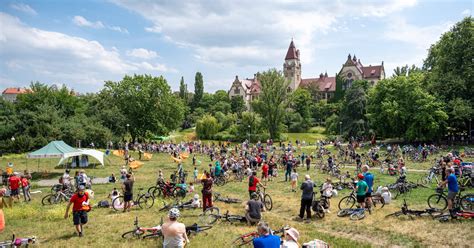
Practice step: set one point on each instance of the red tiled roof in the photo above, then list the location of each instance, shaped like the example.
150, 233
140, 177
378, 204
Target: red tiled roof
292, 52
15, 91
372, 71
324, 83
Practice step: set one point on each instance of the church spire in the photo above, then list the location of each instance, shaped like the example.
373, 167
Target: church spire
292, 52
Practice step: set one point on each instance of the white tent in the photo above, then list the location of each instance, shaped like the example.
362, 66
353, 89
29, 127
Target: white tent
89, 152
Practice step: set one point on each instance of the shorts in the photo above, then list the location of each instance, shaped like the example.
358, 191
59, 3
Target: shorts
360, 198
79, 217
127, 197
368, 194
14, 192
451, 195
265, 175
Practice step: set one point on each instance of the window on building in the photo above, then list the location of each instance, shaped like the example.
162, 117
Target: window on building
237, 91
372, 82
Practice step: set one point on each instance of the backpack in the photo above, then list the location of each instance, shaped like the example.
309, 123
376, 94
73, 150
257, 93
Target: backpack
103, 204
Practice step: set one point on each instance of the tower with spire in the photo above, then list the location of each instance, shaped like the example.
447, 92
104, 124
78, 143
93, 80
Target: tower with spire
292, 67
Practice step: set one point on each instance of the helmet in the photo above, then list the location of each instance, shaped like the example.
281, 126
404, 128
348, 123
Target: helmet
196, 197
254, 195
173, 213
360, 176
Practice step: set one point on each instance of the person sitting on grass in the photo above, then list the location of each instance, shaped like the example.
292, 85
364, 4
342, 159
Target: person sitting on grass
291, 238
266, 239
80, 201
174, 232
254, 209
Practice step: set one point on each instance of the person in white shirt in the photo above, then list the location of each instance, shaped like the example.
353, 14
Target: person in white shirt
291, 238
174, 233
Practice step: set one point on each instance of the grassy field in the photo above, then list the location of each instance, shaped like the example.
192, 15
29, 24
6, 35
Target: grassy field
106, 226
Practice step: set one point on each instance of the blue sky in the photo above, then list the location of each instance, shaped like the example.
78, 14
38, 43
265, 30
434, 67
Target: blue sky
84, 43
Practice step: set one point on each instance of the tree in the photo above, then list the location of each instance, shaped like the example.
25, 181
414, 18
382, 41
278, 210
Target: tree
207, 127
405, 70
301, 102
147, 103
250, 126
339, 93
353, 112
401, 107
450, 72
273, 100
183, 90
237, 105
198, 89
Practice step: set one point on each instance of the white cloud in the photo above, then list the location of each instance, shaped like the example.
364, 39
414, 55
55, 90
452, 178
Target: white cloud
466, 12
421, 37
23, 8
142, 53
56, 57
83, 22
226, 31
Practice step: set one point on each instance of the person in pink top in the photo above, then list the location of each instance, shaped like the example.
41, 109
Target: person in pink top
174, 232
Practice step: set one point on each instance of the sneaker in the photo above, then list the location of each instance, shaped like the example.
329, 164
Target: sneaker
80, 234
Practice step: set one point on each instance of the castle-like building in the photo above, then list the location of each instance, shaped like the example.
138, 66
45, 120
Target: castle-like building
351, 70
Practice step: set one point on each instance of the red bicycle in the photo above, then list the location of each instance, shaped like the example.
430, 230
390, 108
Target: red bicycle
245, 239
138, 231
460, 215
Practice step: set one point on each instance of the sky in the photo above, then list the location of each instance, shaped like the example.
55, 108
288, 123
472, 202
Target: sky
83, 43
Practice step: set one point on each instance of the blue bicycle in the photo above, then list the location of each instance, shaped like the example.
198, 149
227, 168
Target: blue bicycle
353, 213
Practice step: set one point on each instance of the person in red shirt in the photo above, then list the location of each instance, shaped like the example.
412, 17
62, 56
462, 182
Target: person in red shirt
80, 202
14, 183
253, 182
265, 169
25, 186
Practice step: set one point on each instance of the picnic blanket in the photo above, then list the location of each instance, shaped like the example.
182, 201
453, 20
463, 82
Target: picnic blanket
147, 156
118, 153
135, 164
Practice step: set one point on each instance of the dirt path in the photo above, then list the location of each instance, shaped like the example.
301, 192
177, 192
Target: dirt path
51, 182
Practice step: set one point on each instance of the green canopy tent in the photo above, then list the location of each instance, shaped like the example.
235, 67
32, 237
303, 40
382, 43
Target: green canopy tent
55, 149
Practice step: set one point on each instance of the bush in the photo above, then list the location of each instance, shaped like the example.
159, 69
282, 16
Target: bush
224, 136
207, 127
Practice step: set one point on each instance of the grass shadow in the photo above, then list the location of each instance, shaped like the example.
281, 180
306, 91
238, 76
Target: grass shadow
45, 175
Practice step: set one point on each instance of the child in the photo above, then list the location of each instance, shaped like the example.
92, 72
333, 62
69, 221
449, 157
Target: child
114, 195
196, 203
294, 180
191, 188
327, 191
25, 186
195, 174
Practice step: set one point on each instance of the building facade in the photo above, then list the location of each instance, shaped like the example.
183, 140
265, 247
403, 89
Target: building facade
10, 94
351, 70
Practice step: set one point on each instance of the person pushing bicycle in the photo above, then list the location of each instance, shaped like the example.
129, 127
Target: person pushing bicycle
453, 189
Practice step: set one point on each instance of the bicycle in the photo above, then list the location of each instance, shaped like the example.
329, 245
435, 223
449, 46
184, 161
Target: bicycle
138, 231
431, 177
217, 197
409, 212
439, 200
143, 200
458, 215
350, 200
191, 230
353, 213
319, 205
177, 204
57, 197
220, 180
211, 215
245, 239
265, 198
18, 242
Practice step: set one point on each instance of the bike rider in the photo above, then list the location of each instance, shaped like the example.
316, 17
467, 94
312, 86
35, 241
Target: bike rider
453, 188
254, 209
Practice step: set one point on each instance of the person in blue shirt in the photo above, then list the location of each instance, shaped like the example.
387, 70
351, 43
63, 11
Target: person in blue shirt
265, 240
453, 188
369, 179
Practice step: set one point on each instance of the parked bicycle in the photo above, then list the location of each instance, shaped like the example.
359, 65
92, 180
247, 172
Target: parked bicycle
350, 200
143, 200
211, 216
418, 213
319, 205
245, 239
265, 198
439, 200
459, 215
168, 189
61, 195
138, 231
353, 213
432, 177
178, 204
218, 197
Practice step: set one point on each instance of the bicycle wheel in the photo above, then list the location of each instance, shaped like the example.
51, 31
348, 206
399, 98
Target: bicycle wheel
267, 201
133, 234
244, 239
48, 200
422, 181
320, 213
210, 216
342, 213
236, 218
467, 202
341, 165
437, 201
359, 215
146, 201
396, 214
153, 235
378, 201
117, 203
220, 181
346, 202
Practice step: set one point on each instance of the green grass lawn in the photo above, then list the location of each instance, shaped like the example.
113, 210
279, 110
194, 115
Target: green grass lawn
106, 226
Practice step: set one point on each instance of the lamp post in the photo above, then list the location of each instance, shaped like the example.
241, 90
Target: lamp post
13, 139
340, 128
250, 131
128, 125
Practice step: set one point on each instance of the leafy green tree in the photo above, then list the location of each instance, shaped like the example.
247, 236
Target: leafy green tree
183, 90
301, 102
401, 107
250, 125
237, 105
339, 93
198, 89
207, 127
450, 72
272, 101
353, 112
405, 70
147, 103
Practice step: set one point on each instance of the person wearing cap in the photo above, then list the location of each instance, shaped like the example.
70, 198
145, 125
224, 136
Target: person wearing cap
254, 210
80, 203
291, 238
174, 232
265, 239
306, 197
361, 190
14, 183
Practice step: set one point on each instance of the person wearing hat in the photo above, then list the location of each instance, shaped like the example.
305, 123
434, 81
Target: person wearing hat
174, 232
254, 209
80, 207
361, 190
291, 238
14, 183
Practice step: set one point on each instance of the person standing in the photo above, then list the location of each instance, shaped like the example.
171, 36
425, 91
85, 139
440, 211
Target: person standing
25, 186
306, 197
294, 180
265, 170
289, 167
265, 239
361, 190
453, 188
127, 188
80, 202
207, 192
174, 232
369, 179
14, 183
308, 163
253, 182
